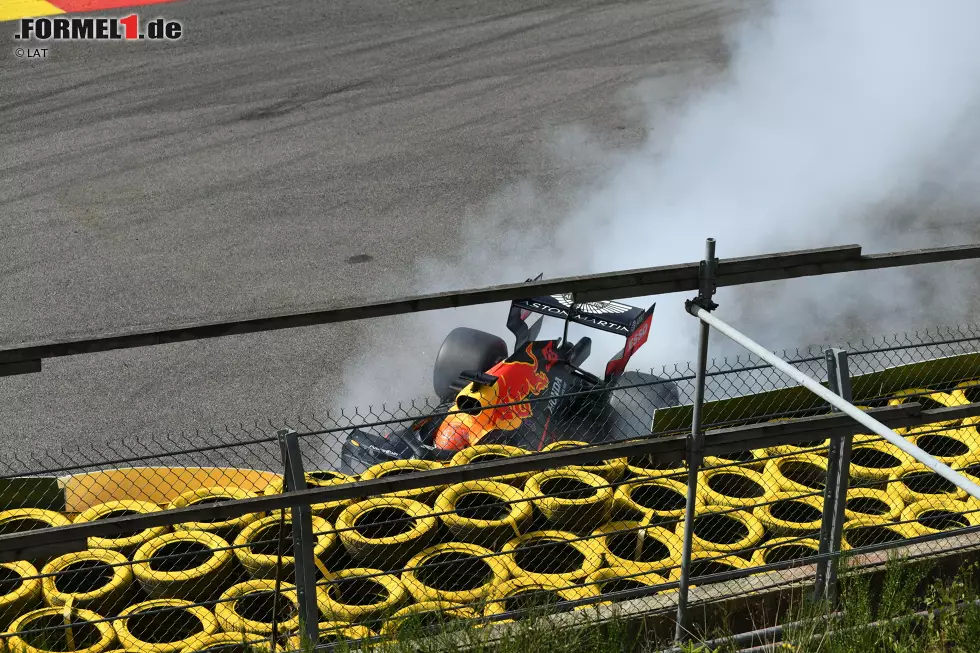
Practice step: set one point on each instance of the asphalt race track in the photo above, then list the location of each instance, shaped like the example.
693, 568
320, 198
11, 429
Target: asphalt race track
280, 155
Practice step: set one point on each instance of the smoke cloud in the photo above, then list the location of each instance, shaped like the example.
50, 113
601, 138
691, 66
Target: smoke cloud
834, 123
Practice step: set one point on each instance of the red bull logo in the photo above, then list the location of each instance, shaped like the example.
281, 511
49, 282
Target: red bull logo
518, 378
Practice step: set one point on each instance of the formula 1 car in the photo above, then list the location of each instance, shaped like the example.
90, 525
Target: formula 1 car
530, 397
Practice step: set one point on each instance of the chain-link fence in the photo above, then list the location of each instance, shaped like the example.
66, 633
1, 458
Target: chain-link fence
509, 528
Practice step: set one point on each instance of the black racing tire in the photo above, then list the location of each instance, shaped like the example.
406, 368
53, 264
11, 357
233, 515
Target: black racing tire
465, 350
21, 597
97, 579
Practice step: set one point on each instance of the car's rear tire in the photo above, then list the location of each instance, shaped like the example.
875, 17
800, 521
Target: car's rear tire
465, 350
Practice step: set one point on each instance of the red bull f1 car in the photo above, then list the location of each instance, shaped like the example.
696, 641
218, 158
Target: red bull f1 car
529, 397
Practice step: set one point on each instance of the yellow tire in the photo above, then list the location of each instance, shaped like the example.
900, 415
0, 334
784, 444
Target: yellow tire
187, 565
570, 499
385, 532
455, 572
874, 460
620, 545
482, 453
658, 500
335, 632
612, 470
163, 625
237, 642
526, 595
227, 528
709, 563
552, 557
610, 580
400, 467
100, 580
863, 503
89, 633
23, 590
718, 528
257, 546
647, 466
782, 549
735, 487
872, 531
932, 517
427, 619
799, 474
789, 514
320, 478
22, 520
248, 608
929, 399
924, 485
484, 512
360, 594
127, 543
754, 460
956, 447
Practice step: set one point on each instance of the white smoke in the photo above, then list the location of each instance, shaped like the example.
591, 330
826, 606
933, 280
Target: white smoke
835, 123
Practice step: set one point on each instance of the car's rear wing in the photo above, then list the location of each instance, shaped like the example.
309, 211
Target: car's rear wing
613, 317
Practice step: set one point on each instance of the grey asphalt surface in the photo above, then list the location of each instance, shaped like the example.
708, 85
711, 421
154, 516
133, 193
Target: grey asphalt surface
280, 155
284, 155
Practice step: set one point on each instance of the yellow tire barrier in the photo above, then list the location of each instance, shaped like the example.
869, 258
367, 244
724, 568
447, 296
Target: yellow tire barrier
657, 500
630, 545
552, 557
227, 528
735, 487
924, 485
954, 447
872, 531
570, 499
874, 460
184, 565
336, 632
645, 466
21, 520
967, 392
360, 594
237, 642
257, 546
163, 625
88, 632
718, 528
482, 453
427, 619
527, 596
791, 515
709, 563
387, 531
799, 474
400, 467
320, 478
127, 543
929, 399
249, 608
612, 470
22, 590
455, 572
811, 447
100, 580
610, 580
782, 549
484, 512
862, 503
737, 460
933, 517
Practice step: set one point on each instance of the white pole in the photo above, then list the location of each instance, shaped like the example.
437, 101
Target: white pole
845, 407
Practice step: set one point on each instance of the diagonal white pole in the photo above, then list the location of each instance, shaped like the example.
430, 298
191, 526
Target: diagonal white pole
846, 407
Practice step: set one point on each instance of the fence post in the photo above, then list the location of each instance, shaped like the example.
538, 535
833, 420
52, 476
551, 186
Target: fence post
294, 479
835, 493
695, 442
